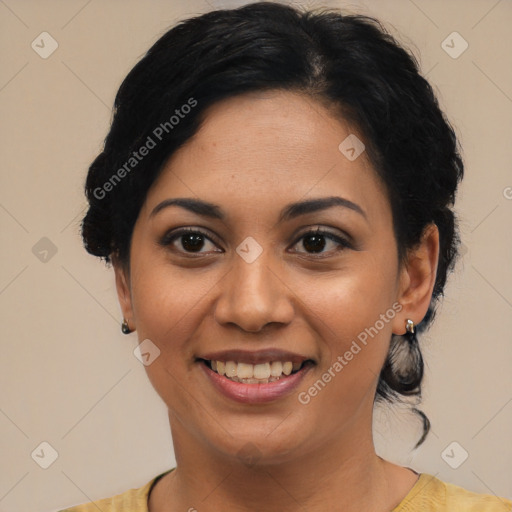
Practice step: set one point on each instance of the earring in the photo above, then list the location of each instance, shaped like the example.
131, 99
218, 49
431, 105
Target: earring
410, 332
409, 326
125, 328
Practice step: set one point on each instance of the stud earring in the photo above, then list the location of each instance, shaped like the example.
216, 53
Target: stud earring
409, 326
410, 332
125, 328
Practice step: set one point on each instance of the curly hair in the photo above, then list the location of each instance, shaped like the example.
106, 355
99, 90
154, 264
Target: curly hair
351, 64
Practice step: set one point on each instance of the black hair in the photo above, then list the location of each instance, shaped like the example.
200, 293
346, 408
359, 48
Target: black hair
348, 62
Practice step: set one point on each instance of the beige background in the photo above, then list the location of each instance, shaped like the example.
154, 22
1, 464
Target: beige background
67, 374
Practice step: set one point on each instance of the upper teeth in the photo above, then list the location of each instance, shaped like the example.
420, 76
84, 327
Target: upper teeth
254, 371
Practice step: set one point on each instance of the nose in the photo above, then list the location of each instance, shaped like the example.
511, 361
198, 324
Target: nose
253, 295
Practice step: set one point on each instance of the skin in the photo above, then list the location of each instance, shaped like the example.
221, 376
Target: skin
253, 155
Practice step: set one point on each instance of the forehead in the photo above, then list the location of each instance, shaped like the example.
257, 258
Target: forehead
271, 147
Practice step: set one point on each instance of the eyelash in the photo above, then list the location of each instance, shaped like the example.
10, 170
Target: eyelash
169, 238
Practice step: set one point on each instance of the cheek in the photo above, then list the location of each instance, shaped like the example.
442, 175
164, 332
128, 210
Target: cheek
352, 311
355, 346
169, 304
353, 297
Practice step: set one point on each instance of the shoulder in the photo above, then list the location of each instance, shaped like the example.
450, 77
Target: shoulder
474, 502
134, 500
431, 494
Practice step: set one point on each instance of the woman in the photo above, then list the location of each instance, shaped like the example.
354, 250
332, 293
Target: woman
275, 195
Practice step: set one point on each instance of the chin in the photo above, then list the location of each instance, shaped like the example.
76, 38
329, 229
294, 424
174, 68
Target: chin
261, 445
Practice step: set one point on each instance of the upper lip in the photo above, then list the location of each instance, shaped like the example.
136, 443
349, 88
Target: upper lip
255, 357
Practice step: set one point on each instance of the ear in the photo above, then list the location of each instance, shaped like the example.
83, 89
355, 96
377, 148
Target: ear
122, 276
417, 279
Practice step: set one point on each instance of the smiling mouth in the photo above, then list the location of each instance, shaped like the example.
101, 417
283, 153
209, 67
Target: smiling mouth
263, 373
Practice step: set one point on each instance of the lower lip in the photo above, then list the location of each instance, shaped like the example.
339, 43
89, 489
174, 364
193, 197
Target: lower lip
255, 393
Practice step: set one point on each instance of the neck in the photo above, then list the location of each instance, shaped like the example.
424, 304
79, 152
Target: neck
345, 474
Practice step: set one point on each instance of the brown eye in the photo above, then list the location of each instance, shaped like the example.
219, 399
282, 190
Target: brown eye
316, 241
192, 242
188, 241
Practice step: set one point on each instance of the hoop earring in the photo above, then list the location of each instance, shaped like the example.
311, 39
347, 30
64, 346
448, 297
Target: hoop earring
125, 328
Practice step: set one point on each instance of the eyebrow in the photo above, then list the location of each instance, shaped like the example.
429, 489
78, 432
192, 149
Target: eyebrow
289, 212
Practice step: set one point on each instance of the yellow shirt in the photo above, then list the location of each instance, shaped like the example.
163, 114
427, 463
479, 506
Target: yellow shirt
429, 494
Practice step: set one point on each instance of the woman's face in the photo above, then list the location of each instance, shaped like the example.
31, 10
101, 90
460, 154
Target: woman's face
256, 287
